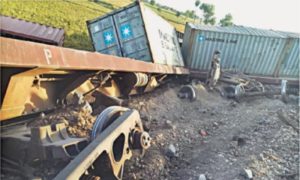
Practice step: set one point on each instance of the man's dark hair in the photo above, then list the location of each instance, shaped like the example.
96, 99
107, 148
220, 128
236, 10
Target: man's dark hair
217, 52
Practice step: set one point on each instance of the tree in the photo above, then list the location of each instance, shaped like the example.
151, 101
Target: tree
193, 14
227, 20
152, 2
178, 13
190, 14
208, 13
197, 3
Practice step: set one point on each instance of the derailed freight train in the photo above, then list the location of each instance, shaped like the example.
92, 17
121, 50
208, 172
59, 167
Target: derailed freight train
61, 115
43, 86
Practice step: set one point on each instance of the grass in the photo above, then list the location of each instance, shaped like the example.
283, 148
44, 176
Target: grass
71, 15
177, 22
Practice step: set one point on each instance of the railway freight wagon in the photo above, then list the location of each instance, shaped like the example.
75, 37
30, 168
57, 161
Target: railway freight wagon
136, 32
45, 87
248, 50
43, 84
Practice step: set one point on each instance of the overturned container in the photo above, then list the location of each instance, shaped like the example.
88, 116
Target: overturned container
136, 32
248, 50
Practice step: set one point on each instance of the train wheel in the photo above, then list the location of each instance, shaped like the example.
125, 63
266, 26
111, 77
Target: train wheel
106, 118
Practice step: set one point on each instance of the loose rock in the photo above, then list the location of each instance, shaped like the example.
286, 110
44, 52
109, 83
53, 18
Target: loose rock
203, 132
171, 151
247, 173
202, 177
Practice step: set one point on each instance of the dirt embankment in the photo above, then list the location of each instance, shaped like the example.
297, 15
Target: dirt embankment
212, 136
216, 137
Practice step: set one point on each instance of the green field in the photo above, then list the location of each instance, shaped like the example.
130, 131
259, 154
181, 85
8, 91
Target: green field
177, 22
72, 15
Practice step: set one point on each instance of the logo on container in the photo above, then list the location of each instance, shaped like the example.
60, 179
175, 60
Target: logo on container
126, 31
201, 38
108, 38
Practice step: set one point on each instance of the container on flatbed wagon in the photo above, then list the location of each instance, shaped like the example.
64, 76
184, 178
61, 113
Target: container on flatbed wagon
245, 49
136, 32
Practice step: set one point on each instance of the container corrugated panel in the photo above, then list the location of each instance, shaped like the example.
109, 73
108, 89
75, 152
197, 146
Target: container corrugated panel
131, 33
162, 39
142, 35
21, 29
291, 56
104, 36
249, 50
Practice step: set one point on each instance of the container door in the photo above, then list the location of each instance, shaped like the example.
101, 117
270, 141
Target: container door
162, 39
104, 36
132, 36
290, 58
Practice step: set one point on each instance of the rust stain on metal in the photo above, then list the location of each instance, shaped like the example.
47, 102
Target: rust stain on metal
17, 98
62, 71
112, 144
16, 53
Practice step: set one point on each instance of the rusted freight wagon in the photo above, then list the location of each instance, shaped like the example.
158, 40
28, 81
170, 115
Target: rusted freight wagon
136, 32
30, 31
249, 50
41, 84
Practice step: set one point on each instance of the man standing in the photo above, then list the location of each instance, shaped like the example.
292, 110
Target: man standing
215, 70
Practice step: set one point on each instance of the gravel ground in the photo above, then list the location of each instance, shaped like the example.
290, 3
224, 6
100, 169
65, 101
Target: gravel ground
78, 119
216, 137
209, 138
